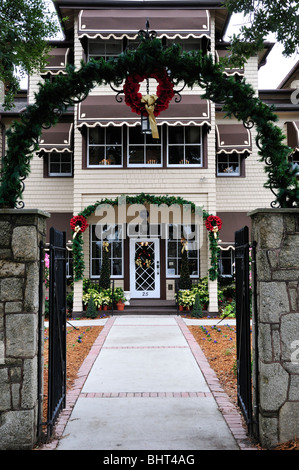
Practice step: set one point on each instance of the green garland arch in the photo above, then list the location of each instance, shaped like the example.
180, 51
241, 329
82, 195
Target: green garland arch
78, 257
193, 69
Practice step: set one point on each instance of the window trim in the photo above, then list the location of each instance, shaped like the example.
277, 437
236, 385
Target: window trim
60, 175
88, 145
113, 276
186, 165
229, 175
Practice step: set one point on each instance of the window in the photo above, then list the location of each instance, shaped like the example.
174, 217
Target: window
294, 160
185, 146
143, 150
226, 262
60, 164
187, 45
100, 48
112, 234
104, 147
174, 251
228, 164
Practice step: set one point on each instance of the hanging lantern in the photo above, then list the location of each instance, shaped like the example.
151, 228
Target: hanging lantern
145, 124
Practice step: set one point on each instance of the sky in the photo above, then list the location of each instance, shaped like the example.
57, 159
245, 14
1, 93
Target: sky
277, 66
270, 75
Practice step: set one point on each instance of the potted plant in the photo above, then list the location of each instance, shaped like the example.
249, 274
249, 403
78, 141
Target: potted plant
119, 298
107, 298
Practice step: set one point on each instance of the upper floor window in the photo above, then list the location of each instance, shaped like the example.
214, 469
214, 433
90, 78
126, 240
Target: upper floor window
104, 48
294, 160
104, 146
228, 164
60, 164
185, 146
187, 45
143, 149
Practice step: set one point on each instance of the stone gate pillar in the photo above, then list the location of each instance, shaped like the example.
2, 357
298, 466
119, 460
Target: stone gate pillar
276, 232
20, 234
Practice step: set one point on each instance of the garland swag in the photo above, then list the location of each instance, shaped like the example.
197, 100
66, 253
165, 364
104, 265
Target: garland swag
78, 258
192, 68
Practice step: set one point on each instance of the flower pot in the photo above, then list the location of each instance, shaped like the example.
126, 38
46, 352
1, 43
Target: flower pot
105, 307
181, 308
120, 305
100, 307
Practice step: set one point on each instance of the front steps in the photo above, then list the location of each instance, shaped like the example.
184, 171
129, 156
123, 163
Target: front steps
148, 307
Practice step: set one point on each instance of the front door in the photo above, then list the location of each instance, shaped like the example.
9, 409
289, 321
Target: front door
144, 268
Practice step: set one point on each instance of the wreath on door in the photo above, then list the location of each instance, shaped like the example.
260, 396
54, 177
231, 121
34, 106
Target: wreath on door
143, 258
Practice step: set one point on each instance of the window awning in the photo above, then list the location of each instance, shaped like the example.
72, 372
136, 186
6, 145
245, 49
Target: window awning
104, 110
57, 61
171, 23
293, 135
220, 53
57, 138
233, 138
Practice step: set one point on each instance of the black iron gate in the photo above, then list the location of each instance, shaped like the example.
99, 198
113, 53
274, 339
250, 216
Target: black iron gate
57, 328
243, 304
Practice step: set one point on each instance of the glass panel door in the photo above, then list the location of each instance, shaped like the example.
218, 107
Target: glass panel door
144, 268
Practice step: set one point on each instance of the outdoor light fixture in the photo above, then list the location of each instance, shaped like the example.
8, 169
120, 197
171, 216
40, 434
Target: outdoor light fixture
145, 124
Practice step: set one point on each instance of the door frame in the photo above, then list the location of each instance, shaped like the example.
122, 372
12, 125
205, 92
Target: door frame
145, 294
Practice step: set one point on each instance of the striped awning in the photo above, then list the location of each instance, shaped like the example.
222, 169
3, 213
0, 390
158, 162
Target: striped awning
103, 111
220, 53
117, 24
293, 135
57, 138
57, 61
233, 138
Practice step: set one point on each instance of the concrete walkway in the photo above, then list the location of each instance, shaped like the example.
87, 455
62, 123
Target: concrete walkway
146, 385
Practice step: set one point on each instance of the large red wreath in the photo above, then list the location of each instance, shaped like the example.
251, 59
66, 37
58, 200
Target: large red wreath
164, 91
78, 223
213, 224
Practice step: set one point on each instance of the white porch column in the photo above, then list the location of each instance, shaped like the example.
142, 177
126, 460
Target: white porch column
77, 299
213, 295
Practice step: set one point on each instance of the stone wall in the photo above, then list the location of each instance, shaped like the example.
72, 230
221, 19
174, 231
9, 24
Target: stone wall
276, 232
20, 234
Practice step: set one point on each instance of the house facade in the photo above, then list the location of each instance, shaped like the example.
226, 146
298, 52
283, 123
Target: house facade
97, 150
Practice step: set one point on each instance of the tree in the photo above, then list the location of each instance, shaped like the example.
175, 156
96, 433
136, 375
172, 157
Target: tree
185, 281
266, 16
105, 268
26, 27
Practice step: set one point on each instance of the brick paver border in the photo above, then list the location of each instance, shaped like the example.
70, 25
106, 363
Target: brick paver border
229, 411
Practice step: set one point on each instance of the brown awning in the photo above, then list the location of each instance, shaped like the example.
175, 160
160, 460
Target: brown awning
104, 110
57, 60
171, 23
228, 71
293, 135
57, 138
233, 138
